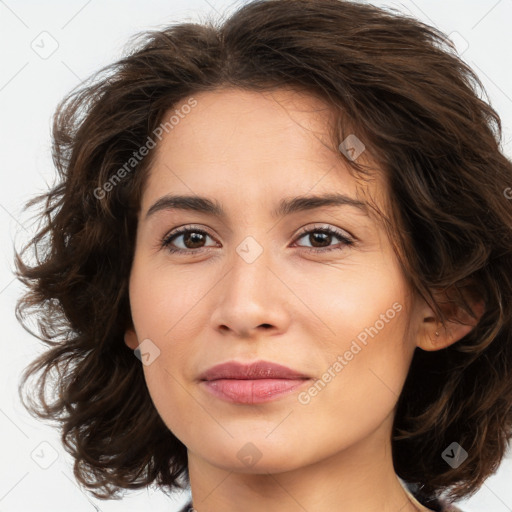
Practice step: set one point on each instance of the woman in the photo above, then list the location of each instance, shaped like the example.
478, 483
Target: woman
299, 224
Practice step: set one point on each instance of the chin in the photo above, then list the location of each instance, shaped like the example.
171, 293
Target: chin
253, 455
275, 463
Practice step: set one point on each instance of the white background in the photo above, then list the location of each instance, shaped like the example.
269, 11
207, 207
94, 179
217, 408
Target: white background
91, 34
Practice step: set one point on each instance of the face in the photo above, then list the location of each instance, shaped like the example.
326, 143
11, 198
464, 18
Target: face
318, 290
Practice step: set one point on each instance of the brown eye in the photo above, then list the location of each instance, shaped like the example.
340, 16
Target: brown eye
190, 240
187, 239
321, 239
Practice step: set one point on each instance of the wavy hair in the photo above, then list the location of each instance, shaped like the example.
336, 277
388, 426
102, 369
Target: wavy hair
397, 84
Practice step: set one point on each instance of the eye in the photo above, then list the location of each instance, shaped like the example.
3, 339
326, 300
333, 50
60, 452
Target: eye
323, 236
192, 239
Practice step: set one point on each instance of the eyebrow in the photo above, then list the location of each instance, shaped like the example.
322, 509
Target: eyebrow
286, 206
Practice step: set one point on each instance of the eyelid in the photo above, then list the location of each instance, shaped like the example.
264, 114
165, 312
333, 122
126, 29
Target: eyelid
180, 230
325, 227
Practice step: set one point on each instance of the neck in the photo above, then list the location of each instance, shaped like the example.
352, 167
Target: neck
360, 477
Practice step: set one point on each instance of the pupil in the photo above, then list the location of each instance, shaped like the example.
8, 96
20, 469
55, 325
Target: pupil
194, 238
320, 237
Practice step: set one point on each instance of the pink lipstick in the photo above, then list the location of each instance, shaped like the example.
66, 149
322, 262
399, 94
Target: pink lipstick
254, 383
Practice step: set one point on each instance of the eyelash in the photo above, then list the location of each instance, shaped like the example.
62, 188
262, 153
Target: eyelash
345, 240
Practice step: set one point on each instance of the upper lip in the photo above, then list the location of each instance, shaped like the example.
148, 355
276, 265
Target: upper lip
255, 370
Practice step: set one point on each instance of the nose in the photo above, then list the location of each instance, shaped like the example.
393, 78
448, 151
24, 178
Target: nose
251, 300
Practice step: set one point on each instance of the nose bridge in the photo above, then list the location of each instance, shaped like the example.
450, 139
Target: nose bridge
248, 284
249, 295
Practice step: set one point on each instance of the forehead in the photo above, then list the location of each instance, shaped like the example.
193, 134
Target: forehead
249, 146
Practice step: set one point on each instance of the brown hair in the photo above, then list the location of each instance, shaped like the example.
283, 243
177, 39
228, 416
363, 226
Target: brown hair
401, 88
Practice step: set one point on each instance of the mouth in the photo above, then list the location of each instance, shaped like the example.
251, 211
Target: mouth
259, 382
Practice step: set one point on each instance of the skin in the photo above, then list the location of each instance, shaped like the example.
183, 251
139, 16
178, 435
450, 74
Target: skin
249, 150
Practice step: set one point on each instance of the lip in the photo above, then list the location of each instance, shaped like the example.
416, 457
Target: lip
256, 370
253, 383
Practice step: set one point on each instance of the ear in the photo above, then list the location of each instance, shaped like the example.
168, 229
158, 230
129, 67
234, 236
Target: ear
130, 338
433, 335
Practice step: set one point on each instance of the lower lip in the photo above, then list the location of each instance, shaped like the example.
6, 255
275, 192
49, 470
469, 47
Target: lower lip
252, 391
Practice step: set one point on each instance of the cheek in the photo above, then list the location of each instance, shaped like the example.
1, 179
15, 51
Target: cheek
356, 298
359, 386
360, 320
165, 303
165, 310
